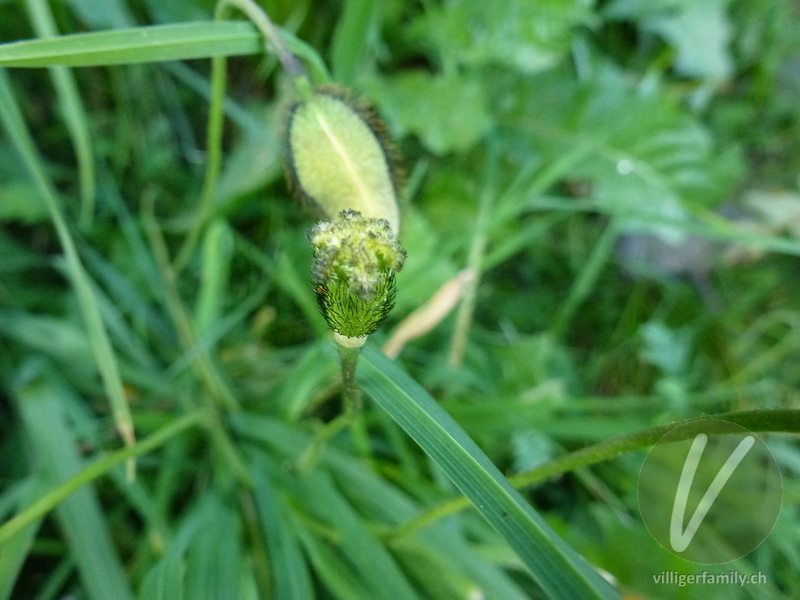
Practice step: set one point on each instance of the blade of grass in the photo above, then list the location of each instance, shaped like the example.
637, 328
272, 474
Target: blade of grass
14, 554
558, 569
97, 469
104, 355
292, 579
165, 580
72, 111
355, 30
786, 421
38, 395
585, 281
458, 343
375, 565
332, 570
181, 41
214, 557
217, 253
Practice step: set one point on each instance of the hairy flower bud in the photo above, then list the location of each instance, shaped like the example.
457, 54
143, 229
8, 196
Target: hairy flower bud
339, 156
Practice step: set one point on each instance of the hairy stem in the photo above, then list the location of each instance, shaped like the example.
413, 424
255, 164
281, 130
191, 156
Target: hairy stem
787, 421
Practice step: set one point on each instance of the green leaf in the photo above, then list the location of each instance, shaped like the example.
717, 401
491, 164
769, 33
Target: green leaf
558, 569
331, 568
529, 36
641, 155
449, 113
20, 201
142, 44
355, 31
14, 554
699, 31
165, 580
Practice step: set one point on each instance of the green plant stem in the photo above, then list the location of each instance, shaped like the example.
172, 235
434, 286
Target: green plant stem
353, 402
584, 282
273, 41
272, 35
72, 111
785, 421
351, 411
55, 496
213, 160
466, 309
204, 366
350, 391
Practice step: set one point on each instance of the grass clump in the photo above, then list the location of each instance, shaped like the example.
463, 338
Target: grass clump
600, 215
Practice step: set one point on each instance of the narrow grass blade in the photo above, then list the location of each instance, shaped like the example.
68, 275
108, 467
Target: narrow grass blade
14, 554
58, 494
332, 569
375, 565
586, 279
11, 118
354, 31
165, 580
182, 41
784, 420
39, 395
72, 111
218, 246
292, 580
214, 558
558, 569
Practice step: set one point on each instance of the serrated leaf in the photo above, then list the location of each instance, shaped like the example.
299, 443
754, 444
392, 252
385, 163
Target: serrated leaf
449, 113
642, 156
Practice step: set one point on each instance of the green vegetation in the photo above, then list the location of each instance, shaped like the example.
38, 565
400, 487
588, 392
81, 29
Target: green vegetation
600, 206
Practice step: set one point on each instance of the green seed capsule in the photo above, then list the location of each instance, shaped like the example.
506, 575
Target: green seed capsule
338, 157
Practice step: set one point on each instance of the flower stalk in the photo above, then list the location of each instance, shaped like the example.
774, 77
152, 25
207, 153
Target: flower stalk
355, 262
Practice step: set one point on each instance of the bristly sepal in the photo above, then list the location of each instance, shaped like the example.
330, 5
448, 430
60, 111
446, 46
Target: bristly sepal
339, 156
355, 262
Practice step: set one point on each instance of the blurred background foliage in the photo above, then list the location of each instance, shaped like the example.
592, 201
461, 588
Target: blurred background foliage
624, 176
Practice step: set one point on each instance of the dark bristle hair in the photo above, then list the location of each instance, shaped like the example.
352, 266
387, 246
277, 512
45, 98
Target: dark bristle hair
349, 315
